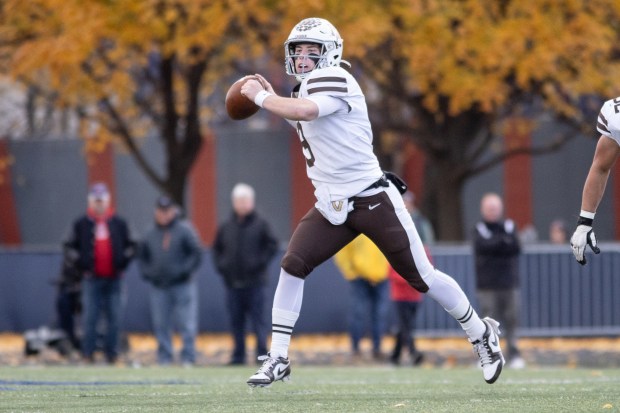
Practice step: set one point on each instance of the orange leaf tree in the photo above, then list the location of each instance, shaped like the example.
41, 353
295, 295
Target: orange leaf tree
448, 72
134, 68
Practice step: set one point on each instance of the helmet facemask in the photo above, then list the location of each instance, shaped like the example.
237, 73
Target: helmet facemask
320, 60
313, 31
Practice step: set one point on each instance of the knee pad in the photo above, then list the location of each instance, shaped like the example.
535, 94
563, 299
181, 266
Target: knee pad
295, 265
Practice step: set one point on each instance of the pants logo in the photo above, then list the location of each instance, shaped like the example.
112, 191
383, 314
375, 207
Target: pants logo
337, 205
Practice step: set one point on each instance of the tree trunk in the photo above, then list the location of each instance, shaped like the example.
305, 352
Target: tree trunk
179, 166
443, 204
175, 185
181, 153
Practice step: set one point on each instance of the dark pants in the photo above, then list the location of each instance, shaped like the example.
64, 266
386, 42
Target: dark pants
177, 304
102, 297
405, 312
68, 305
381, 217
372, 300
244, 303
504, 306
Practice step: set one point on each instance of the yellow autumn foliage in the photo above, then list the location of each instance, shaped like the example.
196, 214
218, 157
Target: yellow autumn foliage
94, 50
475, 53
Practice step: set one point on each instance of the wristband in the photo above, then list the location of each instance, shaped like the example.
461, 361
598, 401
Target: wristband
586, 218
260, 97
587, 214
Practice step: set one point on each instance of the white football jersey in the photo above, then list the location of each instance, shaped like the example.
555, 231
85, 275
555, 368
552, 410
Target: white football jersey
338, 146
608, 123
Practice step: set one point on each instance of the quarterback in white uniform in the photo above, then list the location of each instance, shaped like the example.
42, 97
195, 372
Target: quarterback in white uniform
340, 145
605, 156
354, 196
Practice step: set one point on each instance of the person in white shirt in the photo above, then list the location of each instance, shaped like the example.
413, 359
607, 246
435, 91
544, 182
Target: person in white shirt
354, 196
605, 156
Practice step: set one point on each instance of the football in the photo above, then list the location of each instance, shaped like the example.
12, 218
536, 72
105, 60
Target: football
238, 106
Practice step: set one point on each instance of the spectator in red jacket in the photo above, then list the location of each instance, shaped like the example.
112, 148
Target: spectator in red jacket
101, 242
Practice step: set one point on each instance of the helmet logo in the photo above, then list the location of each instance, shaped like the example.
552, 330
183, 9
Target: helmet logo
308, 24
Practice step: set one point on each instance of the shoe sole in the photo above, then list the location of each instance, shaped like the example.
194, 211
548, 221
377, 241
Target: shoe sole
284, 379
496, 375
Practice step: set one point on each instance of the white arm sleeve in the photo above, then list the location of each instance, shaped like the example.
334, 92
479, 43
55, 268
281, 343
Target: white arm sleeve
329, 104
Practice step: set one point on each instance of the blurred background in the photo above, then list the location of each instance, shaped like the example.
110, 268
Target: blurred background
465, 97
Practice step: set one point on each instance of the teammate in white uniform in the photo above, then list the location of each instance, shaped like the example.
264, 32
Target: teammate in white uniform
605, 156
328, 109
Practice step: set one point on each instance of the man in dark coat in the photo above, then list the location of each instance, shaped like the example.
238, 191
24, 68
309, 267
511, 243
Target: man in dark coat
497, 250
243, 248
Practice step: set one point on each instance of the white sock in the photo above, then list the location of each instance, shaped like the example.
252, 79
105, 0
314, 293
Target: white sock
286, 307
469, 320
282, 328
451, 297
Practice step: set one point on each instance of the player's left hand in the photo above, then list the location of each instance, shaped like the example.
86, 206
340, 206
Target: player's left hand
584, 235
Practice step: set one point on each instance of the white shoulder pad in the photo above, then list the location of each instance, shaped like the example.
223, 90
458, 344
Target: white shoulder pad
330, 81
608, 122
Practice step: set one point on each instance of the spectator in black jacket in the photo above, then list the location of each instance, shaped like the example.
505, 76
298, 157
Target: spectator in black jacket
101, 242
497, 250
243, 248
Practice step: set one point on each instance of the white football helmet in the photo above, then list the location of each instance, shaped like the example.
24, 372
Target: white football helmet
313, 30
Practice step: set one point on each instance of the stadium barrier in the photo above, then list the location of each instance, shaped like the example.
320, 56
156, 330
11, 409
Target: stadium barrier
559, 297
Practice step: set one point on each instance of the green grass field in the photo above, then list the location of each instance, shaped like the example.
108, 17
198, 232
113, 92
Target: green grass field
312, 389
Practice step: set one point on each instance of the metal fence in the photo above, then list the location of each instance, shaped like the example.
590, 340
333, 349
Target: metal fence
559, 297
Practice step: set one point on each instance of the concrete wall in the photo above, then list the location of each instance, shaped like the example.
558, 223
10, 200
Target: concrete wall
27, 295
557, 183
50, 183
559, 297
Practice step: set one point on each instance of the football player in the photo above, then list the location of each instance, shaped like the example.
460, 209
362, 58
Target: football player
605, 155
353, 196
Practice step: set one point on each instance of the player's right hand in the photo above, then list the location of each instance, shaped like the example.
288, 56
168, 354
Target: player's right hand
584, 235
265, 83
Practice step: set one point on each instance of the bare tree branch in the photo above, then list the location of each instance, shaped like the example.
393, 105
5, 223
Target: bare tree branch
480, 146
548, 148
120, 129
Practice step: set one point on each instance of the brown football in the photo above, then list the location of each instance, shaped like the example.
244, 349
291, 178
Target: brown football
238, 106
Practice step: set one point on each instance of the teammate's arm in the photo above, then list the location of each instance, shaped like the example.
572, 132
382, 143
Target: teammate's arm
607, 151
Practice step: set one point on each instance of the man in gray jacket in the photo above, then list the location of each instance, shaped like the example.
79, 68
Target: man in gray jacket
168, 255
